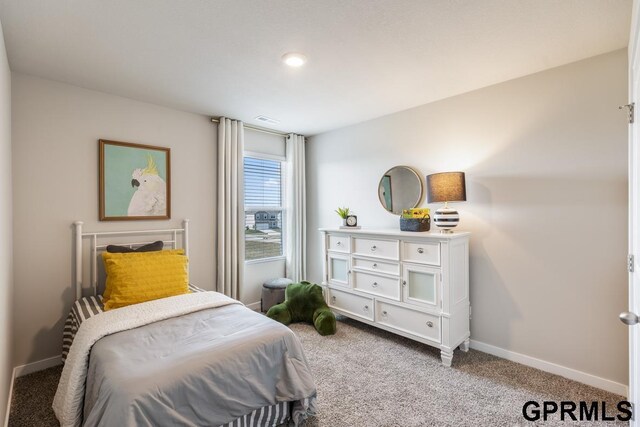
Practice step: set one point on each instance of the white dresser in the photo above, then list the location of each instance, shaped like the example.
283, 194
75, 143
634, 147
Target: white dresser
412, 284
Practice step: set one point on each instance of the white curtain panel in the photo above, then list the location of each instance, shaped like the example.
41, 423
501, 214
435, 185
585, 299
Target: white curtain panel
296, 214
230, 207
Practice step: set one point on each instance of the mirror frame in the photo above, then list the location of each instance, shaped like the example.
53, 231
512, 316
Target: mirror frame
418, 176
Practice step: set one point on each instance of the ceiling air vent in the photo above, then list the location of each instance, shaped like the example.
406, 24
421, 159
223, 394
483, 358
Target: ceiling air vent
265, 119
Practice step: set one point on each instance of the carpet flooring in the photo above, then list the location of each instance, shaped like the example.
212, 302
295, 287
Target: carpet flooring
367, 377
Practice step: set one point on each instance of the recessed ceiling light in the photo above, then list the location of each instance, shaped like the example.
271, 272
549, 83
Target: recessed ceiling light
293, 59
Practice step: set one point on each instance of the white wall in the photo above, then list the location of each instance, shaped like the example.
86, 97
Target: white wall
264, 143
56, 128
255, 274
258, 272
546, 163
6, 279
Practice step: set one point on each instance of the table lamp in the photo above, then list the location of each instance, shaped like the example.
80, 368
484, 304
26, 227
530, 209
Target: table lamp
446, 187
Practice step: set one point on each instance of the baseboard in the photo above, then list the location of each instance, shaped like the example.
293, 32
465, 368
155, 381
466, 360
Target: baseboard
40, 365
13, 380
255, 306
552, 368
27, 369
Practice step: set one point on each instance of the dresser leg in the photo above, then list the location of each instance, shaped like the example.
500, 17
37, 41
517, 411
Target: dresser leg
447, 357
465, 345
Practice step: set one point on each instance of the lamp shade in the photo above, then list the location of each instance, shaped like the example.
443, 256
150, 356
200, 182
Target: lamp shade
446, 187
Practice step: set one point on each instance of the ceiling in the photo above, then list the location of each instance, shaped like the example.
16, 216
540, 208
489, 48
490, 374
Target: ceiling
366, 58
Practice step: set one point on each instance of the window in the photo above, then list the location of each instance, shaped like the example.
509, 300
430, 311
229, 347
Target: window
262, 208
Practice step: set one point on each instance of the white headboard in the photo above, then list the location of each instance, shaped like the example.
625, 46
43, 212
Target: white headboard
98, 242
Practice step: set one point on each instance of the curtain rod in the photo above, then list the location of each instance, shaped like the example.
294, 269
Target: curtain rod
256, 128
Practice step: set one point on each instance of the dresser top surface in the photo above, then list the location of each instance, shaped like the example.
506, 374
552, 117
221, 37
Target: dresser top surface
398, 233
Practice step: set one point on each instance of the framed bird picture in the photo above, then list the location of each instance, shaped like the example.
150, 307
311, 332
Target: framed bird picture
135, 181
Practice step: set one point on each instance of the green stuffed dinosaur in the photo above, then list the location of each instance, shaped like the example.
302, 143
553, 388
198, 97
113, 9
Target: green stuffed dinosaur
304, 303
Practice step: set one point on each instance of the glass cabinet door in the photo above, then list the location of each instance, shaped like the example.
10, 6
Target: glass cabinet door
421, 285
338, 269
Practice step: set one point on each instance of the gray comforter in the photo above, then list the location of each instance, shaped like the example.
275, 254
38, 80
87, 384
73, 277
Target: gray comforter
202, 369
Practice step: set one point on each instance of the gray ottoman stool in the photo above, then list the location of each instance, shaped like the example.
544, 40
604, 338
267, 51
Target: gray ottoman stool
273, 293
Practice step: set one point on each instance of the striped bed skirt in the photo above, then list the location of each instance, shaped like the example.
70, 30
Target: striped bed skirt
266, 416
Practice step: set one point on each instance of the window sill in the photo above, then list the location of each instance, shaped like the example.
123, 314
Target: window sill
262, 260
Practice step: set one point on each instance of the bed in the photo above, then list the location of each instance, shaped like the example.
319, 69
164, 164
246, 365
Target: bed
197, 359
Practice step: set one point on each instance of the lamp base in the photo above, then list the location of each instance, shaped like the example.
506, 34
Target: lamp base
445, 219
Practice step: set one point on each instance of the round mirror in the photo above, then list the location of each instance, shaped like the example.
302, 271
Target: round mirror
400, 188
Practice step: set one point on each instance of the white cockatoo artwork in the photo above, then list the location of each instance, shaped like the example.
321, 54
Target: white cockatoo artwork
150, 195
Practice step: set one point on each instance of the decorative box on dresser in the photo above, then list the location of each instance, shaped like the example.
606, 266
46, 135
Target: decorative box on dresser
409, 283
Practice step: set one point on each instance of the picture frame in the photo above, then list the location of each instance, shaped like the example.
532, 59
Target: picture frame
134, 181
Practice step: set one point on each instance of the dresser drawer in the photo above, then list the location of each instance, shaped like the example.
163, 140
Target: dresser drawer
376, 266
377, 285
388, 249
423, 253
404, 319
338, 243
353, 304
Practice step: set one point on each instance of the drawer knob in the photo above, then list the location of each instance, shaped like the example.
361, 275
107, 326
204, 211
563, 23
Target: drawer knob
366, 308
374, 265
404, 283
333, 299
430, 324
373, 248
339, 243
374, 284
420, 250
384, 313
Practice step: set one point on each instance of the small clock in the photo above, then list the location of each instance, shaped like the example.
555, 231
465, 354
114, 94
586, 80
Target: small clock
351, 221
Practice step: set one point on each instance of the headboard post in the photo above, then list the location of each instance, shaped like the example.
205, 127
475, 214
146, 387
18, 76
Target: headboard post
185, 226
97, 245
77, 280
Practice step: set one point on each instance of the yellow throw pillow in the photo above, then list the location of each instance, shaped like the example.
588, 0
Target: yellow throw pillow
135, 277
108, 255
